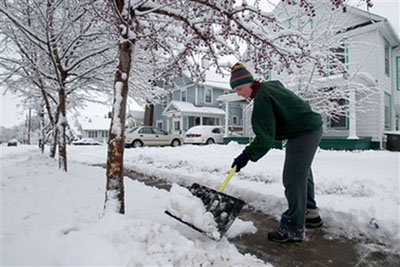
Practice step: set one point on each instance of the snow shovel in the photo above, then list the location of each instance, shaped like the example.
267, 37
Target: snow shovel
223, 207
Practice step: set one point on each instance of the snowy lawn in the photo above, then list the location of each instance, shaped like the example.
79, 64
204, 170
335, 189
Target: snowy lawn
55, 218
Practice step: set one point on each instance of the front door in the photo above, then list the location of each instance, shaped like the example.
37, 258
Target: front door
176, 125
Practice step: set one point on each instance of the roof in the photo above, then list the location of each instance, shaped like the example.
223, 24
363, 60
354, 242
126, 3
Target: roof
218, 84
230, 97
188, 108
376, 22
368, 22
95, 123
214, 79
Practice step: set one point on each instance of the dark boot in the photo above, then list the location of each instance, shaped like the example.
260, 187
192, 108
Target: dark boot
313, 220
284, 237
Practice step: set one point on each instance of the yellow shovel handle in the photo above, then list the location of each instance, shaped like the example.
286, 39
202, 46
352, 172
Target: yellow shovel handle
227, 179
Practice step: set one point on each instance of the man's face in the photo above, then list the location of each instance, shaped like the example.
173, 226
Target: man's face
244, 90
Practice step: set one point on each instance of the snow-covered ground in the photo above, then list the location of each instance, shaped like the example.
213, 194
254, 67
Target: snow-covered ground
54, 218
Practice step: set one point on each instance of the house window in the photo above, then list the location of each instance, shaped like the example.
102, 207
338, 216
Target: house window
388, 104
305, 24
177, 125
209, 121
337, 59
183, 95
159, 124
208, 95
235, 120
104, 133
92, 134
338, 121
387, 59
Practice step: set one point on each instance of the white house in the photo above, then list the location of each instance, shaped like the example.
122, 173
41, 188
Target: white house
97, 127
371, 52
94, 127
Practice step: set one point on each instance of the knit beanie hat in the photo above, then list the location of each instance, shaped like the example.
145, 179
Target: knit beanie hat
240, 75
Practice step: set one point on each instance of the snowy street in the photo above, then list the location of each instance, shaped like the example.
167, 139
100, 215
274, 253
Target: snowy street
55, 218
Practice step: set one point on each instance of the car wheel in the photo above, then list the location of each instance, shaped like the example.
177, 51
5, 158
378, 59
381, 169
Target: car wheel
175, 142
210, 141
137, 143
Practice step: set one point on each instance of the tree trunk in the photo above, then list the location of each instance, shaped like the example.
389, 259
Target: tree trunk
148, 114
54, 141
115, 184
29, 126
61, 126
41, 128
54, 135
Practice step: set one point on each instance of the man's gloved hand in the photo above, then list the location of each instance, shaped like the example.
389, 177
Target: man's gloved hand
240, 161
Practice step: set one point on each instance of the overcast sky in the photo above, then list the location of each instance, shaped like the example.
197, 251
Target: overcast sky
12, 113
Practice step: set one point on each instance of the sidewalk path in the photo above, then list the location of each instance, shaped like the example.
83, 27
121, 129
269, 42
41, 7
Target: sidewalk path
318, 249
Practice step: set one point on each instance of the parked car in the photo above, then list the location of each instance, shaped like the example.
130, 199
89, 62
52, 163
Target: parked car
12, 142
150, 136
86, 142
204, 134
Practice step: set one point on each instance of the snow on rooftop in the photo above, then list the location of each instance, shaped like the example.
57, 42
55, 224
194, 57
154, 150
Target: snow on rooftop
95, 123
186, 107
214, 79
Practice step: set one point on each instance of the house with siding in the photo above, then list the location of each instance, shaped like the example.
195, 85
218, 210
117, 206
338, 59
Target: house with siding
371, 49
98, 127
189, 104
93, 127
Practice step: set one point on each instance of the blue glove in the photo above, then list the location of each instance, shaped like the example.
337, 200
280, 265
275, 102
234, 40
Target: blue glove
240, 161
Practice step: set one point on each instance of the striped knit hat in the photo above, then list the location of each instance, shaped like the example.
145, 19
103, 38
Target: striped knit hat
240, 75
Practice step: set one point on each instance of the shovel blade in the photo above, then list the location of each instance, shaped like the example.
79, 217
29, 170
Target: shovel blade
223, 207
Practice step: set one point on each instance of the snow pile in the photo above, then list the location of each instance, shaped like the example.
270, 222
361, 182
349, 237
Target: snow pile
189, 208
53, 218
240, 227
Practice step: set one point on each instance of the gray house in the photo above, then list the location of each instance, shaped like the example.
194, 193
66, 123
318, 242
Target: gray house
189, 104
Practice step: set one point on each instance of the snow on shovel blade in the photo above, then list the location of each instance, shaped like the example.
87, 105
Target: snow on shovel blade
223, 207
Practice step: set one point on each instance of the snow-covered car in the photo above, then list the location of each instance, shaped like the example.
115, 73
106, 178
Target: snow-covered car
86, 142
12, 142
204, 134
150, 136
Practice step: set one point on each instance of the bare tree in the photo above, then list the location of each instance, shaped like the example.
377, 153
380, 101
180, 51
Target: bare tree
66, 48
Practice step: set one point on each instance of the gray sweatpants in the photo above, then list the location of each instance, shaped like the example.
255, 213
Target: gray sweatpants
298, 180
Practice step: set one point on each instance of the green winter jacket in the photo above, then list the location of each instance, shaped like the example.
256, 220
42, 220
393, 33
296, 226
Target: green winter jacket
278, 114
